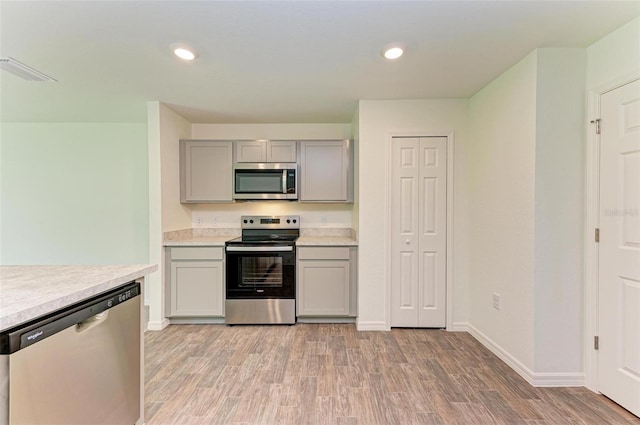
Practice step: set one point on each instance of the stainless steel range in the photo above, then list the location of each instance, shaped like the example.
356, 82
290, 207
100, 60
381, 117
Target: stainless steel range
261, 271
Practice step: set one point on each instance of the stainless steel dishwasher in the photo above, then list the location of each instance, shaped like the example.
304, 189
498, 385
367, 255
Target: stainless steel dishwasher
79, 365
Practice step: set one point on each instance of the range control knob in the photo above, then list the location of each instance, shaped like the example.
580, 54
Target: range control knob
245, 221
288, 221
251, 221
294, 220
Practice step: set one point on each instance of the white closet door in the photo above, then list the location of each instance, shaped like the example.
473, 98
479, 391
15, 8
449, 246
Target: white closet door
619, 248
419, 226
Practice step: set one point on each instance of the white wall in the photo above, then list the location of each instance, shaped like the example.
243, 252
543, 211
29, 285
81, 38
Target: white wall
526, 226
355, 125
501, 204
173, 127
165, 211
271, 131
73, 193
377, 120
615, 57
312, 215
559, 158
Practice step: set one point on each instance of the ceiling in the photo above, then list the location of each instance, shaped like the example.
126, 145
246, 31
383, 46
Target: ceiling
272, 61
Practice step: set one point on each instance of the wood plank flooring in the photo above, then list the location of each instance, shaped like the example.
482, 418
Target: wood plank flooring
333, 374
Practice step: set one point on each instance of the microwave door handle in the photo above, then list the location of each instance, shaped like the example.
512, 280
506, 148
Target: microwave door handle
284, 181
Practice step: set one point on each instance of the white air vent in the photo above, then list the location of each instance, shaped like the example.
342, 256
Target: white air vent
23, 71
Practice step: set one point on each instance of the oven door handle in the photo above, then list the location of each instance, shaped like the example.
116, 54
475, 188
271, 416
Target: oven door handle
259, 248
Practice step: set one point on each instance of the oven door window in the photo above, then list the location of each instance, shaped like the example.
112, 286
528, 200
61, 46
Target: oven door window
261, 272
261, 275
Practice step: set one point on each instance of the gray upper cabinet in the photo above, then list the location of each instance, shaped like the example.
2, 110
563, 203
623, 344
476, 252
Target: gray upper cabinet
251, 151
206, 171
266, 151
326, 171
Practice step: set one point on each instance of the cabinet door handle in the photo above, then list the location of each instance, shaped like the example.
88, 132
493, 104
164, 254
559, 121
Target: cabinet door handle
408, 242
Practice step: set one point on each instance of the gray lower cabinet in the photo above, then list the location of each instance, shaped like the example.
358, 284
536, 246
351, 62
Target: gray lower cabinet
326, 282
195, 286
206, 171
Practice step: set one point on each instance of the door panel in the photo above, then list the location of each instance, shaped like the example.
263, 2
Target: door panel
404, 288
429, 280
407, 191
631, 198
418, 225
407, 281
631, 326
429, 205
619, 248
433, 231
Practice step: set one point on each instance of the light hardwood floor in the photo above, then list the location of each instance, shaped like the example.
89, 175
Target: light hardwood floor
333, 374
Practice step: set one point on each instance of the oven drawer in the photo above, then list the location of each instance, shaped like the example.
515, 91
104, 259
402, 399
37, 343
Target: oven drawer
197, 253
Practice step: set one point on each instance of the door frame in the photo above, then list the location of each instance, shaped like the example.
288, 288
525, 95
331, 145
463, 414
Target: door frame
450, 325
591, 222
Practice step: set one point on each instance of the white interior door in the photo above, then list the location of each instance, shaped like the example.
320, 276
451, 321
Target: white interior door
419, 226
619, 248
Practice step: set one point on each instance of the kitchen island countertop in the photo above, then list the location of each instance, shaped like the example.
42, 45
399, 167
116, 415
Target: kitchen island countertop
29, 292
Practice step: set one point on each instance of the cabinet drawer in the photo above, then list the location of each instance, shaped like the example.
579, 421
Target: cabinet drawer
323, 253
197, 253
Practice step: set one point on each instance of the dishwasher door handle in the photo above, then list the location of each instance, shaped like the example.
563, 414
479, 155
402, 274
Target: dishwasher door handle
92, 321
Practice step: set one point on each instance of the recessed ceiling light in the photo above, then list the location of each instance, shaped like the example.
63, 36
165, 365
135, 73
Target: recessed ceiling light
393, 53
184, 52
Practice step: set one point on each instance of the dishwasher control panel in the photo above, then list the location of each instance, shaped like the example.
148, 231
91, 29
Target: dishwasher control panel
91, 309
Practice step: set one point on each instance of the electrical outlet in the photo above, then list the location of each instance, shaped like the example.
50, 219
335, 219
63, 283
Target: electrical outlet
323, 219
214, 221
198, 221
496, 301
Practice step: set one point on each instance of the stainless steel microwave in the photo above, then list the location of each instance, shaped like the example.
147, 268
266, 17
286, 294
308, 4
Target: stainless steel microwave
265, 181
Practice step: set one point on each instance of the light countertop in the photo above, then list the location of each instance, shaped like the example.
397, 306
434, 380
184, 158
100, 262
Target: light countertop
199, 241
218, 237
326, 241
29, 292
200, 237
302, 241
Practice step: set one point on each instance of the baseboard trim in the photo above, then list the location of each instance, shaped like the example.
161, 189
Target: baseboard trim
560, 379
326, 320
372, 326
198, 321
459, 327
154, 325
